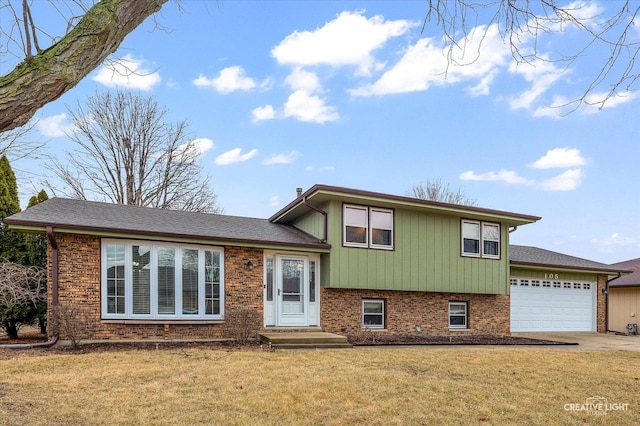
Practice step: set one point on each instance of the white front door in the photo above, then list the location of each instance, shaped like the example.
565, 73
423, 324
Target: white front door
291, 293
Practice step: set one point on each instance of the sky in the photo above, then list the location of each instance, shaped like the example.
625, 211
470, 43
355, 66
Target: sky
287, 94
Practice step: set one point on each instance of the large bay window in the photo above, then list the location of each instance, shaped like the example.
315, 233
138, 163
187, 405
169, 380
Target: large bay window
144, 280
367, 227
480, 239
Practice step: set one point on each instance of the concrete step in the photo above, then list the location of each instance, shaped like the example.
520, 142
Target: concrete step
312, 339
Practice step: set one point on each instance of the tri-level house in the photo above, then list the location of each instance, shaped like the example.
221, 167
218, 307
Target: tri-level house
336, 259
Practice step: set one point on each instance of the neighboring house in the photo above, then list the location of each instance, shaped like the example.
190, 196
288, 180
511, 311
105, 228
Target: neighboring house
555, 292
624, 297
338, 259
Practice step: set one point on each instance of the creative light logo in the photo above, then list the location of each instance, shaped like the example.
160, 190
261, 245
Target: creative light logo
597, 406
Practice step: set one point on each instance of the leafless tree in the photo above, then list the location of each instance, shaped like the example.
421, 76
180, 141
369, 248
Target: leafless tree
436, 190
20, 143
44, 76
21, 287
126, 153
609, 35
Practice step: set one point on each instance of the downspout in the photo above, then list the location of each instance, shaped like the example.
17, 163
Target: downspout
513, 229
322, 212
54, 298
606, 302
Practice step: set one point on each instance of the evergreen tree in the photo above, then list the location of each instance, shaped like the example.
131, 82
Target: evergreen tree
36, 244
36, 255
12, 243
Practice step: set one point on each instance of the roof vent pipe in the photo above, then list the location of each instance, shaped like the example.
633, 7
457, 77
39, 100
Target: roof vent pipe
298, 191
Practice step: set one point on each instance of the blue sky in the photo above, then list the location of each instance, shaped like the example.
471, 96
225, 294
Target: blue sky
284, 94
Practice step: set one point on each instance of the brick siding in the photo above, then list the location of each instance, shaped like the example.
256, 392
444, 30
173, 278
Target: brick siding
79, 287
601, 305
341, 311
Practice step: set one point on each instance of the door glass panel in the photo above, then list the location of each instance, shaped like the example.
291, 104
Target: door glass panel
312, 281
269, 283
292, 287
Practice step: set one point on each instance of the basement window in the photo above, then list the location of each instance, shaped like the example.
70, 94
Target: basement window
458, 315
373, 313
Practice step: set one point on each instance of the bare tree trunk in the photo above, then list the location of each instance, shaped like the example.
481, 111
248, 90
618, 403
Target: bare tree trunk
52, 72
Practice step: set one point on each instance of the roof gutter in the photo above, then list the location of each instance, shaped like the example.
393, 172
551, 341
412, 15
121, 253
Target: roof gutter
54, 299
324, 216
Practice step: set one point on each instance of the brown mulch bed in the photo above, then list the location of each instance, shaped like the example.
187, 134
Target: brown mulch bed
34, 336
420, 339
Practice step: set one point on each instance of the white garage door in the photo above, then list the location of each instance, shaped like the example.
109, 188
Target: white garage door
538, 305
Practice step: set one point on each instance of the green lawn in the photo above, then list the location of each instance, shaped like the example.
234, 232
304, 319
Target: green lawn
380, 386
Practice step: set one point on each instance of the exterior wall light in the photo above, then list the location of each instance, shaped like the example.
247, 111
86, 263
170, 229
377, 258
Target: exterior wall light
250, 265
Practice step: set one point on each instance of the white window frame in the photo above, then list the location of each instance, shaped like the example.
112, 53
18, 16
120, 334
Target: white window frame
482, 238
372, 211
486, 225
347, 223
465, 316
369, 228
153, 297
382, 315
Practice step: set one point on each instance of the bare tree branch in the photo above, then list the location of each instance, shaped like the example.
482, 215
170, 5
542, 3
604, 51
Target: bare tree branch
523, 24
97, 35
436, 190
127, 154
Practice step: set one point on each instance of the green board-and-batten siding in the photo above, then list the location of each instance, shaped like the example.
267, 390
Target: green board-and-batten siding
426, 256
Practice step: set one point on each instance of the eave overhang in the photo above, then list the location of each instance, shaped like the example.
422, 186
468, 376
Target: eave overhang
319, 194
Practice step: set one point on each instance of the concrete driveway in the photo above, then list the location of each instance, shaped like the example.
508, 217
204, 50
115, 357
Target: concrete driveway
589, 340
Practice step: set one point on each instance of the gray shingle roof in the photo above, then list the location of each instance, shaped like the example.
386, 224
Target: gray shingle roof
113, 218
630, 280
539, 257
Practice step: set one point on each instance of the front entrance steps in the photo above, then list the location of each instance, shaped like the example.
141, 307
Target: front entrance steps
298, 339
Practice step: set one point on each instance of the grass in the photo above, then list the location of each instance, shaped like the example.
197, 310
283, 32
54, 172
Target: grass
400, 385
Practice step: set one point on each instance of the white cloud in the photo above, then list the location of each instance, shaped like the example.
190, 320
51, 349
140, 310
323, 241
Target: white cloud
203, 145
596, 102
615, 239
505, 176
427, 63
55, 126
560, 158
228, 80
274, 201
300, 79
263, 113
349, 39
567, 181
311, 168
282, 158
128, 73
234, 156
541, 74
309, 108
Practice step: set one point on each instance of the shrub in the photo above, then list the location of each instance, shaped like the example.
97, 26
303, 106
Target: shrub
22, 293
242, 323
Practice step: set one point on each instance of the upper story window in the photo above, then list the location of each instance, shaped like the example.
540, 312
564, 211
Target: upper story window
153, 280
368, 227
480, 239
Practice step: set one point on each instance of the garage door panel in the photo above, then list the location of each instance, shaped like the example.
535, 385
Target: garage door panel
562, 307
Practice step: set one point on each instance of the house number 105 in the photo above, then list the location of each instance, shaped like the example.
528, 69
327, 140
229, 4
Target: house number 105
551, 276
